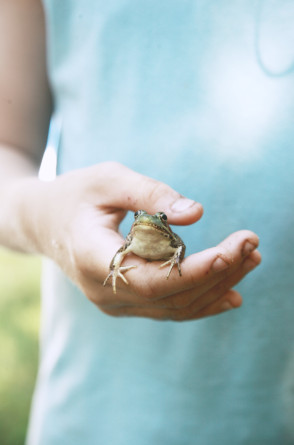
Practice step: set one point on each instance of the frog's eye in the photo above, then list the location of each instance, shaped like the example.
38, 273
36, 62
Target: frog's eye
163, 216
138, 213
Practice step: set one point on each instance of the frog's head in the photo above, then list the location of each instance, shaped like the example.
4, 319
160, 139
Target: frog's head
158, 221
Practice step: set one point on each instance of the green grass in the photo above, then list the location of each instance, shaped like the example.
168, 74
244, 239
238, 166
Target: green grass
19, 326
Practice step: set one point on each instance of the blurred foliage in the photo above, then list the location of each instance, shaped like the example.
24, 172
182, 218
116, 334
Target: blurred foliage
19, 326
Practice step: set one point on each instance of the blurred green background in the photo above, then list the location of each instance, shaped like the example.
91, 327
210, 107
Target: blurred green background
19, 327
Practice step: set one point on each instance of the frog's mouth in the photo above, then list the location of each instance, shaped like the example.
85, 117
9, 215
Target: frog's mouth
147, 227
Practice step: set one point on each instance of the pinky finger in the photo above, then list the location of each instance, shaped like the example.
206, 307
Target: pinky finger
229, 300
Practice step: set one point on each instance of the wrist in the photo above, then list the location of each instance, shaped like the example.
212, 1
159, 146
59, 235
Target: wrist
22, 201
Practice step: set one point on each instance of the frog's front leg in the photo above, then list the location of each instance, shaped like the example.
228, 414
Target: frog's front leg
175, 259
115, 268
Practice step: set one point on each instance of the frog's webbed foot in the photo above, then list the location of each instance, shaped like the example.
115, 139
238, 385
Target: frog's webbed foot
117, 272
175, 259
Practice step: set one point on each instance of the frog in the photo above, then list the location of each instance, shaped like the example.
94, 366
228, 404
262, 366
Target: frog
150, 238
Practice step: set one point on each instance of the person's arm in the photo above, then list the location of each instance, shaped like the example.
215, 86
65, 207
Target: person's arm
74, 220
25, 109
25, 100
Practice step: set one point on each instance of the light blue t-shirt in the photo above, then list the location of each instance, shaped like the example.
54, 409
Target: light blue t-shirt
198, 94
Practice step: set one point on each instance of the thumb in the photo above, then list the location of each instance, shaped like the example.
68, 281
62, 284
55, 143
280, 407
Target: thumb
130, 190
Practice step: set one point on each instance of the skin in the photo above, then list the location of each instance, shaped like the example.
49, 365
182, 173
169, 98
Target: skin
84, 237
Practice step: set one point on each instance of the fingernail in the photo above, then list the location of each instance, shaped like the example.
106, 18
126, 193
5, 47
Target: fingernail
249, 265
182, 204
248, 247
226, 306
220, 264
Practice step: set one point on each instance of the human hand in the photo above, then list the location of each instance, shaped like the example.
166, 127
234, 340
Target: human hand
78, 228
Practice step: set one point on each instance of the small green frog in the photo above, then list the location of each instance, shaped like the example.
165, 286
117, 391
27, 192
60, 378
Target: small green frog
151, 238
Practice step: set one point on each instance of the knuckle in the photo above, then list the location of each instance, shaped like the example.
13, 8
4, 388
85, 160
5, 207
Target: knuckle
156, 191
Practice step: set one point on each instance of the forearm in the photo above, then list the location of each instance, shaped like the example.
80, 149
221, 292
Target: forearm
19, 190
